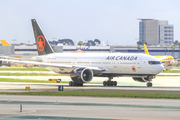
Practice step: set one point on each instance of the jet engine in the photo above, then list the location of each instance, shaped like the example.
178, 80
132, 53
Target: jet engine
82, 75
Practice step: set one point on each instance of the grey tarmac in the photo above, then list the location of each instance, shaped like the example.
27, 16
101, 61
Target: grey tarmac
90, 108
87, 108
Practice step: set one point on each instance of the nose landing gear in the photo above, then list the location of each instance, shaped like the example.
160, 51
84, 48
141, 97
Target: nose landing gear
149, 84
149, 78
109, 82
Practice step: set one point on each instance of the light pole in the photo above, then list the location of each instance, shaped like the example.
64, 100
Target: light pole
14, 40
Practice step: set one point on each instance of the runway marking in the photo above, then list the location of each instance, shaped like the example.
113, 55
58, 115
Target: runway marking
30, 111
90, 104
51, 118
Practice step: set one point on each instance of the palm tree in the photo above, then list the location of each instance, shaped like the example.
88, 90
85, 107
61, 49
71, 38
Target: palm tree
179, 50
139, 48
173, 50
165, 49
80, 43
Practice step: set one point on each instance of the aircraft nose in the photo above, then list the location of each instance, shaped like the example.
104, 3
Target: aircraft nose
158, 69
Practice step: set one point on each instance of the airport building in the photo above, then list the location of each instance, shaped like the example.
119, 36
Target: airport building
31, 50
155, 32
87, 49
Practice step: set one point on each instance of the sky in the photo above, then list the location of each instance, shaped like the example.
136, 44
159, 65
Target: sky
111, 21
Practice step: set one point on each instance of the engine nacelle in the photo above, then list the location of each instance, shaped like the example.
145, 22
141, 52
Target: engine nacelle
82, 75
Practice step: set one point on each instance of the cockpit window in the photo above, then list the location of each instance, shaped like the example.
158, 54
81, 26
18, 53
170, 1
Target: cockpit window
154, 62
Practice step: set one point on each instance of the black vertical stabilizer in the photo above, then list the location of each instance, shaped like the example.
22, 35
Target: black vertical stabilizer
42, 44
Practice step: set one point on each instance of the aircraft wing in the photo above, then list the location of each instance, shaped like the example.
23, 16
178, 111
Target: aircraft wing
53, 64
13, 58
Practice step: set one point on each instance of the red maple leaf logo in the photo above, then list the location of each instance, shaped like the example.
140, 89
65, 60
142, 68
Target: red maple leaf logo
40, 43
133, 68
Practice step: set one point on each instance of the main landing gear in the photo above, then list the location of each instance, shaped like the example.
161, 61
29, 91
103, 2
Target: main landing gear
109, 82
71, 83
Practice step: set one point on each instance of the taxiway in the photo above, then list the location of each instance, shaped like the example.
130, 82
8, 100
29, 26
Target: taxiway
87, 108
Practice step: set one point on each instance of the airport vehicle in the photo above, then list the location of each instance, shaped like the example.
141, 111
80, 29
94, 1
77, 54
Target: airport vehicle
161, 58
5, 43
83, 66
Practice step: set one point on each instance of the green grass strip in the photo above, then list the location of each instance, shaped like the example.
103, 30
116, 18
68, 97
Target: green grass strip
23, 69
28, 80
29, 74
171, 71
168, 75
127, 94
36, 81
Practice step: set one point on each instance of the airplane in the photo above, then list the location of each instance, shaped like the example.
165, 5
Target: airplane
5, 43
82, 67
161, 58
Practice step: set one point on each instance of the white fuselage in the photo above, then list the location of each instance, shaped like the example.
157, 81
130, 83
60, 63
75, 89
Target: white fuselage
122, 64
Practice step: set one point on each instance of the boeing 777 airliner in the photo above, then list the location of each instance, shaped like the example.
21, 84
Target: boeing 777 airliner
82, 67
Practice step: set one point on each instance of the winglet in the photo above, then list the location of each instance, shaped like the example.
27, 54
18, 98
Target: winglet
146, 50
5, 43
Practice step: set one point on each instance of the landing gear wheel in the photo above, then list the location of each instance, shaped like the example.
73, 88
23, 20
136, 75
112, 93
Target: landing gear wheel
115, 83
112, 83
80, 84
104, 83
109, 83
149, 84
73, 84
70, 83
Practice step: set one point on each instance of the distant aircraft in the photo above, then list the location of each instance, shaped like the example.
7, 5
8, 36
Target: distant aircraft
5, 43
161, 58
83, 66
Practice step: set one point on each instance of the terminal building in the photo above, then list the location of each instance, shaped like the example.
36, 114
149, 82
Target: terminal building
27, 51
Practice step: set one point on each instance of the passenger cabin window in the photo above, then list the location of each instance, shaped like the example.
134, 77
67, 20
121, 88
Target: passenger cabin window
154, 62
